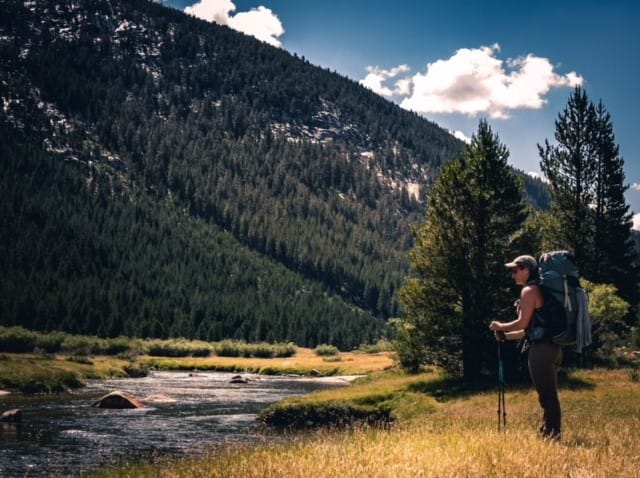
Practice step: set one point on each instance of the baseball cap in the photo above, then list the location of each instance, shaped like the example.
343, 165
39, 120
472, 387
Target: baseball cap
523, 261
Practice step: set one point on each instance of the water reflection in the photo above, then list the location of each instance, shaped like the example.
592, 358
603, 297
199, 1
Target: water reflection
184, 413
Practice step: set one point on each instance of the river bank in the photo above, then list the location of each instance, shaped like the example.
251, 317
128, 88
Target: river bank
31, 373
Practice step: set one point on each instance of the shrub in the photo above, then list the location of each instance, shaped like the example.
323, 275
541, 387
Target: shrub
118, 345
136, 370
178, 348
166, 348
262, 350
201, 351
607, 311
635, 337
325, 350
284, 350
51, 342
80, 345
17, 340
228, 348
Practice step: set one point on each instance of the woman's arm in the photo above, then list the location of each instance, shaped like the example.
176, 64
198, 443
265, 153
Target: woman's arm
515, 335
530, 298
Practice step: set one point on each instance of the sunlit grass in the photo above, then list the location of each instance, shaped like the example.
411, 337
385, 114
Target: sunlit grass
42, 373
458, 437
304, 362
32, 373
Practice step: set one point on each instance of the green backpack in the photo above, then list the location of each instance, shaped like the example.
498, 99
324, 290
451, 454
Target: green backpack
559, 279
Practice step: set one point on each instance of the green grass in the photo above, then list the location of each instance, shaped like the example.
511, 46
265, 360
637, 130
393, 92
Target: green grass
38, 374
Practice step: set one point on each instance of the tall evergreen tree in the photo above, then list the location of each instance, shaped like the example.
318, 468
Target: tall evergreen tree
474, 210
614, 248
572, 170
586, 177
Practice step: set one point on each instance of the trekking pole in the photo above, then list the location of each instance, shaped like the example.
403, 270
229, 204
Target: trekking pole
502, 406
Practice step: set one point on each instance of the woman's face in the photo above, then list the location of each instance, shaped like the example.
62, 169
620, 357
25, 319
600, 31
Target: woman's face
520, 275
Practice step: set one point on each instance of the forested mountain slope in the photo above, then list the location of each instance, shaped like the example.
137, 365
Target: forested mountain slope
162, 175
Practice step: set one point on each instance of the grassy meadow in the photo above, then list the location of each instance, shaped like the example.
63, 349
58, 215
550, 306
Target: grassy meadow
445, 434
387, 423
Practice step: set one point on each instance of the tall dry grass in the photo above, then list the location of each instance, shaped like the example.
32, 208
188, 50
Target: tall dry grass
460, 439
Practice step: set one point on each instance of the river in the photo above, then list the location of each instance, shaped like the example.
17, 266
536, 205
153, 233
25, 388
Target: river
185, 413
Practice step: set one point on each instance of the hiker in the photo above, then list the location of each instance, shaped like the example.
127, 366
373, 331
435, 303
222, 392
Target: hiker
544, 355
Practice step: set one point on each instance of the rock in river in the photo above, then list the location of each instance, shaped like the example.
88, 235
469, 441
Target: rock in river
12, 416
118, 399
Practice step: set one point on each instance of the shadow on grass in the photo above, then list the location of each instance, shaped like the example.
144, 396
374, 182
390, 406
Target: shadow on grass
446, 389
569, 382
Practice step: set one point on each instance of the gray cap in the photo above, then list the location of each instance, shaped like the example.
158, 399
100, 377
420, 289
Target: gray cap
523, 261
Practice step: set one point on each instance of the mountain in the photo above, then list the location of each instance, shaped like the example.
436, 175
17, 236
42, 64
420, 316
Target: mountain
165, 176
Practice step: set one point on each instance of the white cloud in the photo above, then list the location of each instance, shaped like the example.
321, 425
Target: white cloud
377, 76
212, 10
474, 81
259, 22
635, 186
636, 222
461, 136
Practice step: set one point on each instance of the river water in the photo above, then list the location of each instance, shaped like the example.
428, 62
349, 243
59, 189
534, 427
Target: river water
184, 414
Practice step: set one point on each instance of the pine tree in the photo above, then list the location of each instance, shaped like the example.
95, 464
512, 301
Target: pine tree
475, 208
586, 177
614, 249
572, 170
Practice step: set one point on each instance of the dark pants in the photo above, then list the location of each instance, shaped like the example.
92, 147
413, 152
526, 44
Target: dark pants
544, 360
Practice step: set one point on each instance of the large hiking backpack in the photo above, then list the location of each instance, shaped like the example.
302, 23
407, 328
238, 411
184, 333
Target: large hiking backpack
559, 280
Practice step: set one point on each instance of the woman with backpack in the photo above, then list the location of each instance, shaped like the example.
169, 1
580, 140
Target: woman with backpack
544, 356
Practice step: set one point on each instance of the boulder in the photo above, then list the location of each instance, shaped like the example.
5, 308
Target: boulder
11, 416
239, 379
118, 400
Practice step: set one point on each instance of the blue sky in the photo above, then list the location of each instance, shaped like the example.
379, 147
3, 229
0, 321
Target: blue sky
454, 62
